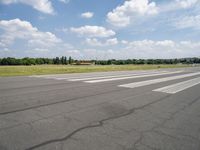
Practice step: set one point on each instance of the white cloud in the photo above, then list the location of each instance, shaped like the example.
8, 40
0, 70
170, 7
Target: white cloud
143, 49
112, 41
96, 42
93, 31
93, 42
186, 3
179, 5
40, 50
124, 42
161, 49
123, 15
65, 30
92, 54
188, 22
146, 45
146, 49
133, 10
64, 1
87, 15
44, 6
33, 42
18, 29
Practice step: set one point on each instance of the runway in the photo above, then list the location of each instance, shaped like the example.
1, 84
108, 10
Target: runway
122, 110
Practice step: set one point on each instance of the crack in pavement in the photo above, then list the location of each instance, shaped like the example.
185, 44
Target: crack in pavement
99, 124
66, 137
58, 102
194, 101
177, 137
184, 135
61, 113
176, 112
164, 122
138, 141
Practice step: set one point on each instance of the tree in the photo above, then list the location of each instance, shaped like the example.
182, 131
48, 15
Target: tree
70, 60
65, 60
57, 61
62, 60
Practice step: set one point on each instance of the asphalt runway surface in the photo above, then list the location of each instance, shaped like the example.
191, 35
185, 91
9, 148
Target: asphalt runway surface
125, 110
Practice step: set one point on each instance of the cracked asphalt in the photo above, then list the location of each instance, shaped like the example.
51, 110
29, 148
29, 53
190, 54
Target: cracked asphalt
49, 114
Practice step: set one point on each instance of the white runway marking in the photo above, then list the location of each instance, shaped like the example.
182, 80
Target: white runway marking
59, 78
114, 76
132, 77
174, 88
81, 77
154, 81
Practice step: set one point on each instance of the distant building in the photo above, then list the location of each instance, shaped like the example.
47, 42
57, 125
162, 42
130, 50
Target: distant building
84, 62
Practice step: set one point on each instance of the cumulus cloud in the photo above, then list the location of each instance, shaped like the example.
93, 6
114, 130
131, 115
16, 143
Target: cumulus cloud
186, 3
133, 10
96, 42
34, 43
149, 44
64, 1
44, 6
87, 15
112, 41
187, 22
93, 31
140, 49
93, 42
161, 49
144, 49
18, 29
124, 42
179, 5
89, 53
123, 15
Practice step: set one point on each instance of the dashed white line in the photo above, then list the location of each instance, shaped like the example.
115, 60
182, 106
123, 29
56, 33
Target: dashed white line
154, 81
174, 88
74, 77
131, 77
114, 76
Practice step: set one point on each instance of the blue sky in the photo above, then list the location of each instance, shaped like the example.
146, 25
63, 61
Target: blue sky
100, 29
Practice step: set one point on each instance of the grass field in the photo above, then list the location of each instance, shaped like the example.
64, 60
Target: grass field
60, 69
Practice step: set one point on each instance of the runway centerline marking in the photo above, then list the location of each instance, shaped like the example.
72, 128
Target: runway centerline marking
132, 77
154, 81
113, 76
178, 87
87, 77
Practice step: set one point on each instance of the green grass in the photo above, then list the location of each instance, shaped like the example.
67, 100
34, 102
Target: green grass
61, 69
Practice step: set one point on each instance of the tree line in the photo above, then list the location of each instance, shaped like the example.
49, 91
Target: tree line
69, 60
149, 61
36, 61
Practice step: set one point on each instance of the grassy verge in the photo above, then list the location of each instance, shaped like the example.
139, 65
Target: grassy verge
60, 69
